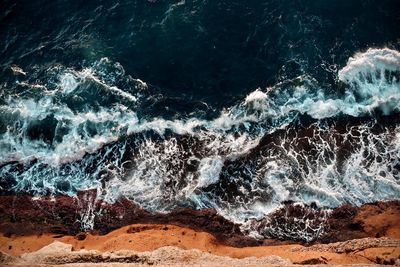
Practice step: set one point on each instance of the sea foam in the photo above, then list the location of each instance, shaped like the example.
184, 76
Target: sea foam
221, 163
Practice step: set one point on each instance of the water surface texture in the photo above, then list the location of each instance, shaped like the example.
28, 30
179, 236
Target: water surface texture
233, 105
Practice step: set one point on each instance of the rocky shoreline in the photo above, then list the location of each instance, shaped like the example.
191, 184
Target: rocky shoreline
63, 215
51, 231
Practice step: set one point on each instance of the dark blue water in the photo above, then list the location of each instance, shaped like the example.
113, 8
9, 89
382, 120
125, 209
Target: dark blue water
233, 105
213, 51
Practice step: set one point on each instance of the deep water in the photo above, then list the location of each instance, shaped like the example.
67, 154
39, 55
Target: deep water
233, 105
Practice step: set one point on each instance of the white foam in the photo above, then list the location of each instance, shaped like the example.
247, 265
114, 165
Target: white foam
209, 171
256, 107
160, 126
74, 144
369, 88
276, 174
372, 75
71, 80
158, 180
257, 100
369, 62
17, 70
68, 83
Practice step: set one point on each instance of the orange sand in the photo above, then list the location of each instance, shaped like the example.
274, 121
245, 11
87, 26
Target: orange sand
382, 220
150, 237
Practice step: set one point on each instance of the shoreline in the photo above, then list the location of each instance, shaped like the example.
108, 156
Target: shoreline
63, 215
369, 234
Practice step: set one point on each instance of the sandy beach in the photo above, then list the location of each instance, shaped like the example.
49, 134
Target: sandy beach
182, 246
168, 244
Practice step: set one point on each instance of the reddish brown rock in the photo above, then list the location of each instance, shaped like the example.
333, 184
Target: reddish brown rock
370, 220
63, 215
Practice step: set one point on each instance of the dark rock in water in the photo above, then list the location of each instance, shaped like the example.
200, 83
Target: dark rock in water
43, 129
310, 141
370, 220
23, 215
301, 223
293, 221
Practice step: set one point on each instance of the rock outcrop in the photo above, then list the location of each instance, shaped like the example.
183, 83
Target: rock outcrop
63, 215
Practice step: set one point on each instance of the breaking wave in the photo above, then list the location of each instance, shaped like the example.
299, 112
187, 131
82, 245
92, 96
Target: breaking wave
82, 128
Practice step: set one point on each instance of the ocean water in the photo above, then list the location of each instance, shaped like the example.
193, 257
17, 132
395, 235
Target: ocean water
233, 105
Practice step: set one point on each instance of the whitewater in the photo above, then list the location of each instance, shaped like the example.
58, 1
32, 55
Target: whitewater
70, 130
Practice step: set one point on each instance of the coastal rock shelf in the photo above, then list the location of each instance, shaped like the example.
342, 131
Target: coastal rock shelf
63, 215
